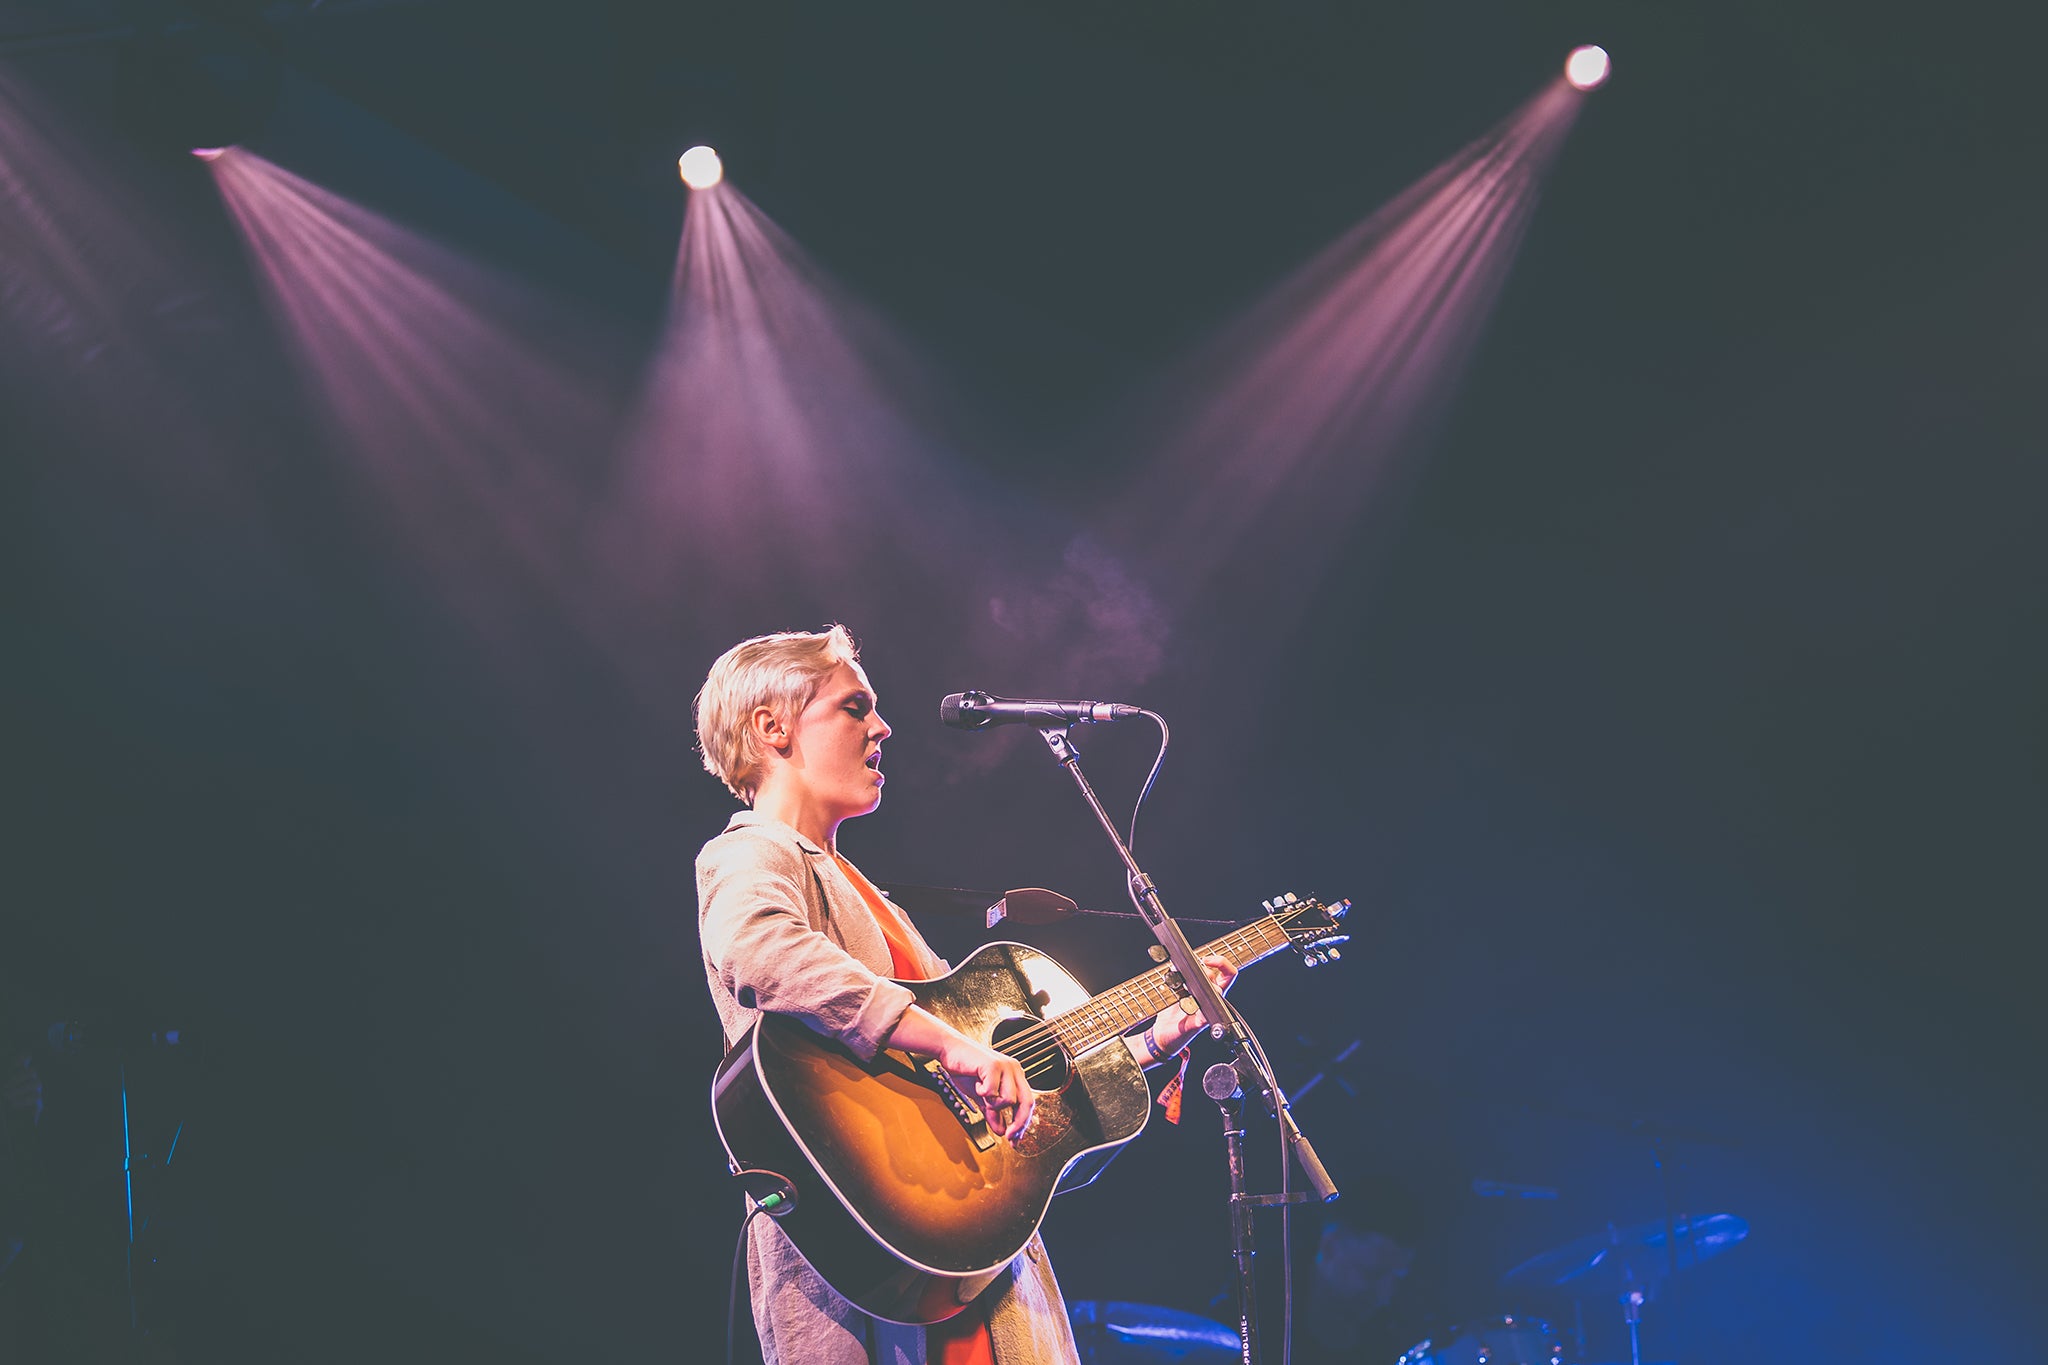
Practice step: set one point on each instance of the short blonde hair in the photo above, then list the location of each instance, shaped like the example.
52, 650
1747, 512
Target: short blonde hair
782, 672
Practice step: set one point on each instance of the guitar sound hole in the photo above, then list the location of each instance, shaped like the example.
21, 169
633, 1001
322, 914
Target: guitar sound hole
1045, 1061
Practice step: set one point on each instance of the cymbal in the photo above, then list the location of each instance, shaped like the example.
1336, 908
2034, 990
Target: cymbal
1112, 1333
1623, 1257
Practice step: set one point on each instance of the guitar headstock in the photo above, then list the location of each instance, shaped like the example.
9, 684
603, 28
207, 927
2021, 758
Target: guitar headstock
1313, 929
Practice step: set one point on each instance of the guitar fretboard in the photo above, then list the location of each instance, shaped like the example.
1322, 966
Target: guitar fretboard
1122, 1008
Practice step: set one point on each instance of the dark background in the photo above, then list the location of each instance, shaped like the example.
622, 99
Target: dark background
1678, 730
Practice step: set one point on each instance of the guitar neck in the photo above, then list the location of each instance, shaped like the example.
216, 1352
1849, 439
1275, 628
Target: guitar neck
1121, 1008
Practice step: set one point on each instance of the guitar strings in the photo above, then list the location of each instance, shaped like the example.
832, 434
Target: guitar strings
1041, 1044
1049, 1027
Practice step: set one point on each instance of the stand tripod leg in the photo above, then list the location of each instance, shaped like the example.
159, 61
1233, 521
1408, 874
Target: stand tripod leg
1220, 1083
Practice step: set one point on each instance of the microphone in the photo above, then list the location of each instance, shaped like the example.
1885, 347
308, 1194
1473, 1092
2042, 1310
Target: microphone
978, 711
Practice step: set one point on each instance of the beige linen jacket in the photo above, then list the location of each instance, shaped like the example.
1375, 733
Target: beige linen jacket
784, 929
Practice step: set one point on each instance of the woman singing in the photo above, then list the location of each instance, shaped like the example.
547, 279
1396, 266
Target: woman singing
789, 723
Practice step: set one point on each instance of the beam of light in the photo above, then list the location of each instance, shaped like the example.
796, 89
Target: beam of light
115, 340
1273, 440
794, 460
446, 385
70, 247
700, 168
1587, 67
770, 437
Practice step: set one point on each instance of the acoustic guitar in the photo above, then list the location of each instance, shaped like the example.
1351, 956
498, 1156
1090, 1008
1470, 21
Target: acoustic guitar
885, 1174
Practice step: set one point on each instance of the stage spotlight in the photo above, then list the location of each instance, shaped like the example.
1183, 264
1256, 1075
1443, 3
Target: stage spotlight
701, 168
1586, 67
209, 153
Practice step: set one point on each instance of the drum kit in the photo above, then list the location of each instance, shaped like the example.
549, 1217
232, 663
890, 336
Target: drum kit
1625, 1265
1628, 1264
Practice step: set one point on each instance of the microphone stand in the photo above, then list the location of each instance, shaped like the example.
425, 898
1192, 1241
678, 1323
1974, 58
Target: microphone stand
1247, 1061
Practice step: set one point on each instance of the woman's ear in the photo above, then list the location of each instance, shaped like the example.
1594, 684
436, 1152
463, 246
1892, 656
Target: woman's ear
768, 728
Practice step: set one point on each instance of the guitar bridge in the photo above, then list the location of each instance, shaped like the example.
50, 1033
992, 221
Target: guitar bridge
970, 1115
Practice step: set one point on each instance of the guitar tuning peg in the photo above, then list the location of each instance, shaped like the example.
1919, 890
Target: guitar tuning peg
1289, 898
1340, 909
1333, 955
1267, 906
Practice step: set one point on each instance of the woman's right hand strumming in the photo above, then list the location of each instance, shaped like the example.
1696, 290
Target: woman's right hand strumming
997, 1081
